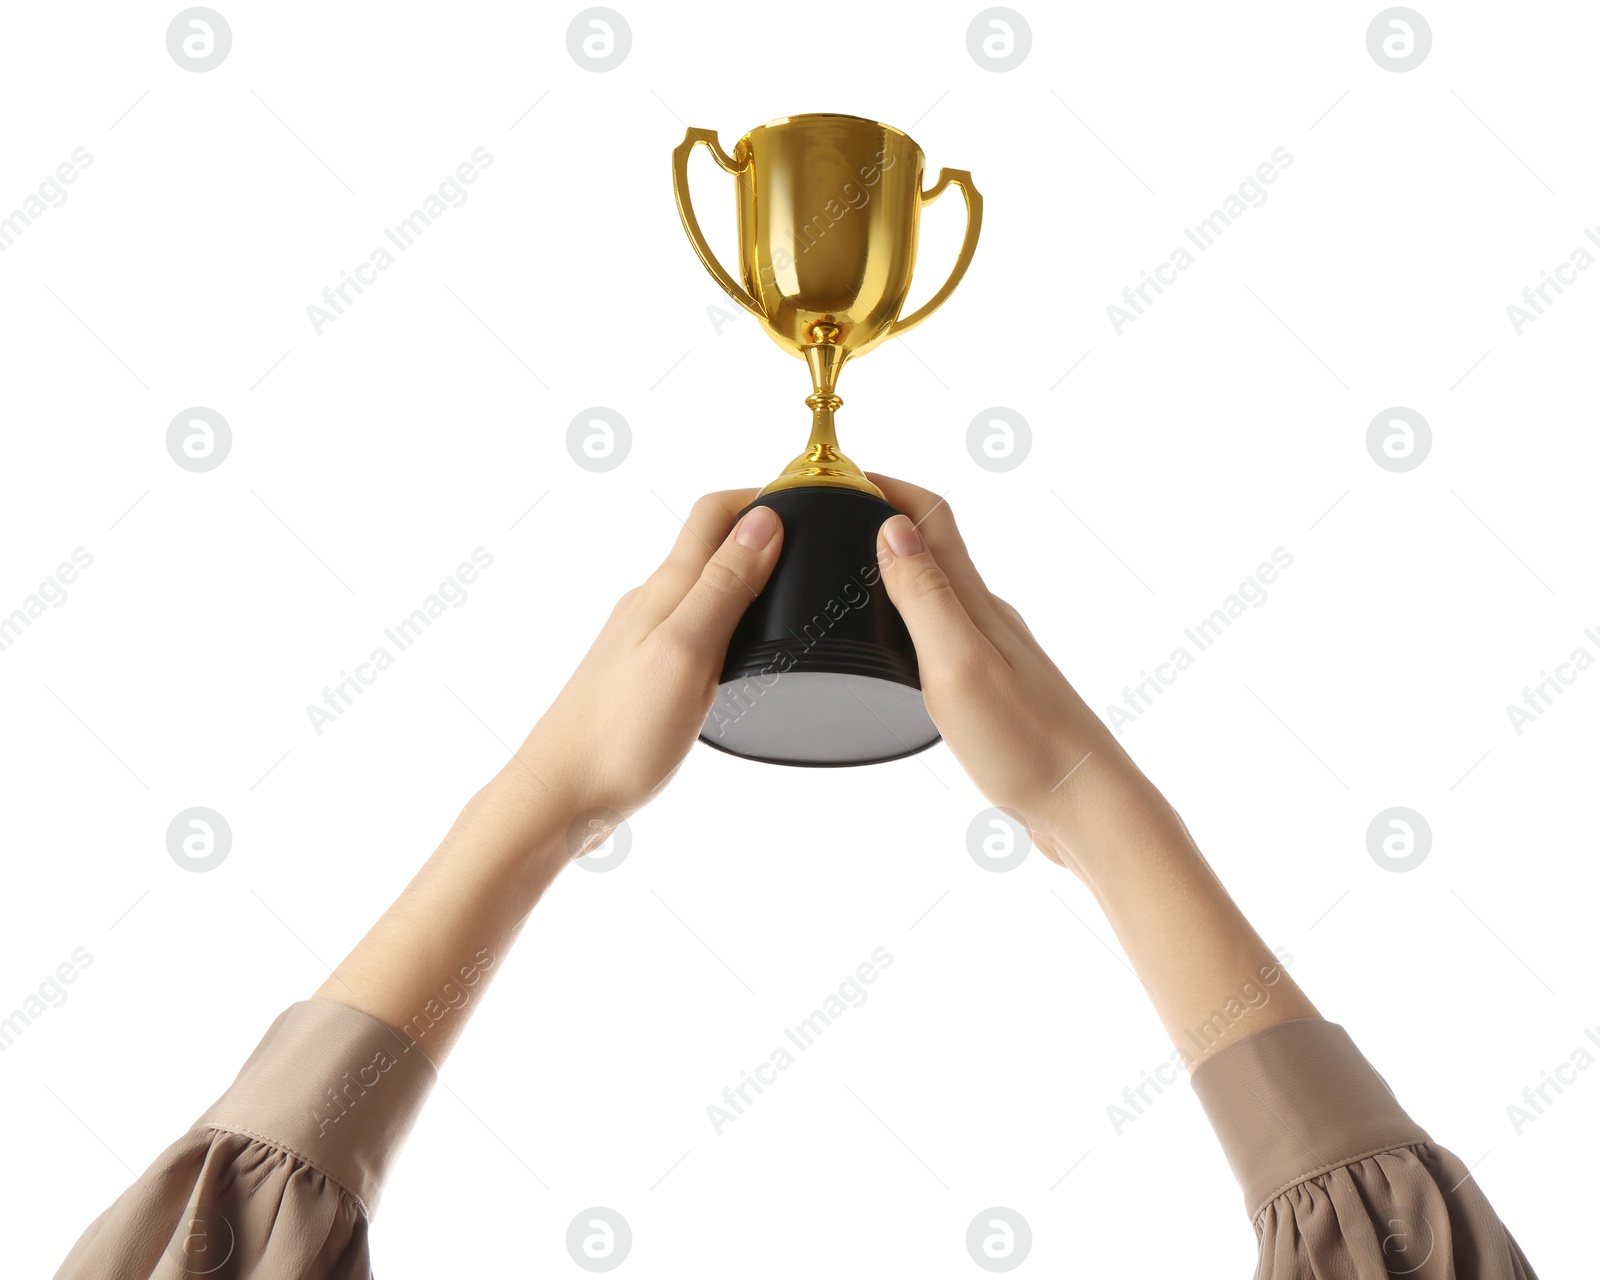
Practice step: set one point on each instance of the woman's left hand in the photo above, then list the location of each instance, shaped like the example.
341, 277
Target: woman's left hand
633, 708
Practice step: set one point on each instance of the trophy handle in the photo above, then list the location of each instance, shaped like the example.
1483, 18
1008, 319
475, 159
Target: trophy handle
691, 224
969, 245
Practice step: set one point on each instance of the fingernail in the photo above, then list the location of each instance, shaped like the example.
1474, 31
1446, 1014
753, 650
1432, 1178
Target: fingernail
902, 536
758, 528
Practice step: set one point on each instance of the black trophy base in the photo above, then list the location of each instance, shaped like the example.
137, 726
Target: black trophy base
821, 670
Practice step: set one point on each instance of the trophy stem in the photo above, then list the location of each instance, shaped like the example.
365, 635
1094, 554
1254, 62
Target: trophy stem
822, 463
824, 442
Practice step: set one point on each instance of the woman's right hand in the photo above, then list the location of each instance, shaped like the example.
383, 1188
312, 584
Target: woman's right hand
1011, 719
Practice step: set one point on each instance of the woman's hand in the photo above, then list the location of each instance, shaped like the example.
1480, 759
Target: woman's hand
1009, 716
633, 708
613, 736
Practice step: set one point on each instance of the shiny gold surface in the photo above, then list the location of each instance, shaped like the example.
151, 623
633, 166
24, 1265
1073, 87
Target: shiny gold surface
828, 209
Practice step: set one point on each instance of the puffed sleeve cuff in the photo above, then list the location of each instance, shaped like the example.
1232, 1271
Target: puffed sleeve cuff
1294, 1101
333, 1087
1337, 1178
282, 1174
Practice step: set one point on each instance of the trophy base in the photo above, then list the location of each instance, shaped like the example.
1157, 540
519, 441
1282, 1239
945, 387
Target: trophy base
821, 670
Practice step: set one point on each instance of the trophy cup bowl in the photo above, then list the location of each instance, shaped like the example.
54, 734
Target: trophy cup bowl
821, 669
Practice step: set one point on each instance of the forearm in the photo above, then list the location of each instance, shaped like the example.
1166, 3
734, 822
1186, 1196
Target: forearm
423, 967
1210, 976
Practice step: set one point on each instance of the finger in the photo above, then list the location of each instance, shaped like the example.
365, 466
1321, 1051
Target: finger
703, 622
937, 523
941, 628
709, 521
912, 499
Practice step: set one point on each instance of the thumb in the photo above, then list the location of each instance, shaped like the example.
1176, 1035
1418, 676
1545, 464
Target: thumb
940, 627
706, 616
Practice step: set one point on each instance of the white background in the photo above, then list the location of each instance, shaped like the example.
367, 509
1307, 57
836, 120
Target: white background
1230, 419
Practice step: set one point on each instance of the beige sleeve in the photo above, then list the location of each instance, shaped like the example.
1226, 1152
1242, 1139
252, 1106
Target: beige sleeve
1337, 1178
281, 1175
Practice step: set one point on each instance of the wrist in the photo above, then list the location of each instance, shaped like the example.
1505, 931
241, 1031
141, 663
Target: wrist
1110, 821
521, 818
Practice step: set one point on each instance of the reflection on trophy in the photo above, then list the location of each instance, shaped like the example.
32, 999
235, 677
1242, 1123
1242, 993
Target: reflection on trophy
821, 670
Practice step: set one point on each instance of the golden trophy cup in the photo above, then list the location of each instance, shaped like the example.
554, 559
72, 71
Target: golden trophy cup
821, 670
